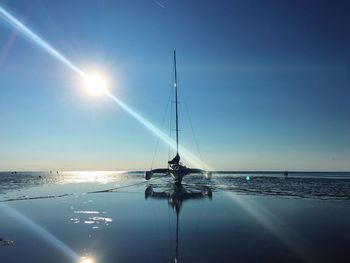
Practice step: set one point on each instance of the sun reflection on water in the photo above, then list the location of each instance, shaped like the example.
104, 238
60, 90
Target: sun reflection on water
86, 260
93, 218
100, 177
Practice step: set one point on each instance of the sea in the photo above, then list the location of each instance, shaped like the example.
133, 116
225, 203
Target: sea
118, 216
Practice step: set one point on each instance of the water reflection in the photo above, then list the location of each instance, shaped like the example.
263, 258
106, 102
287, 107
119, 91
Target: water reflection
176, 195
41, 185
98, 177
93, 218
86, 260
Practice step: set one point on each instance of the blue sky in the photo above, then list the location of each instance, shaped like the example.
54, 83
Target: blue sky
266, 84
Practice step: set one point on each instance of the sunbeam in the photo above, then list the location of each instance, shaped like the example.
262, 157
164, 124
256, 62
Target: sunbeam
25, 31
190, 157
274, 225
289, 238
54, 241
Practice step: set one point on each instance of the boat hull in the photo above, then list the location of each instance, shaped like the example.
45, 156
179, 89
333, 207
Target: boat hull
177, 172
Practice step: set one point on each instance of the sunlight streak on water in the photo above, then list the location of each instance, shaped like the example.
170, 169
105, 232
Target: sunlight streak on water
274, 225
270, 223
86, 260
101, 177
50, 238
93, 218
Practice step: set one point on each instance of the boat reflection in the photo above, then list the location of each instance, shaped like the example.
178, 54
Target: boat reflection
176, 195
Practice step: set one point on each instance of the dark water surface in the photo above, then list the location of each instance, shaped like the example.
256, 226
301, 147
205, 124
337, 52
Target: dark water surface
117, 217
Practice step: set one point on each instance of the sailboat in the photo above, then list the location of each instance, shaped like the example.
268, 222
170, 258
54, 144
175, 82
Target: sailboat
175, 168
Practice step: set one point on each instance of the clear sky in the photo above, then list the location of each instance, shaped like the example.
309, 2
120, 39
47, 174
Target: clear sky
266, 84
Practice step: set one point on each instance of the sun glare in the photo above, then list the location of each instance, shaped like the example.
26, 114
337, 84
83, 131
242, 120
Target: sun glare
86, 260
95, 84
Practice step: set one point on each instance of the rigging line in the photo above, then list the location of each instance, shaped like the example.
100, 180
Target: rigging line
126, 186
162, 125
191, 125
174, 95
34, 198
171, 116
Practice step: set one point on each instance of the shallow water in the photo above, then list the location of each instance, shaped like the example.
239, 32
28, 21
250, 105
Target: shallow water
117, 217
24, 185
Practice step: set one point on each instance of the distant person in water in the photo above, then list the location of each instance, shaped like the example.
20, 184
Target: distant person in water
286, 173
5, 242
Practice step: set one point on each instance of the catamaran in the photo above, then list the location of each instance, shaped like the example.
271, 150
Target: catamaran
175, 168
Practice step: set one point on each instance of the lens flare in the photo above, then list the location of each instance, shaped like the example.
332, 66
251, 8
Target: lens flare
264, 218
275, 226
95, 85
25, 31
43, 233
86, 260
187, 155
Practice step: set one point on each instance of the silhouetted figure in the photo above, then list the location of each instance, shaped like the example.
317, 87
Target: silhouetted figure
175, 160
286, 173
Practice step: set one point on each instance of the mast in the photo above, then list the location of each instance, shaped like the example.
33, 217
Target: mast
176, 105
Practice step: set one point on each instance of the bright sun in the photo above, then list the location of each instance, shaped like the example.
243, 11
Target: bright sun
95, 84
86, 260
